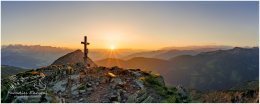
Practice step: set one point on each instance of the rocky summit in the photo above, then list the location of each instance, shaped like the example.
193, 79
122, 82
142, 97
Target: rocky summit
73, 57
73, 82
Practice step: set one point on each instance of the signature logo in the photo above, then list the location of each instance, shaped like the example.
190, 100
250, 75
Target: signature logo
19, 86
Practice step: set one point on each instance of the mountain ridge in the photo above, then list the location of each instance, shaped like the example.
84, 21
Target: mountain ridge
237, 64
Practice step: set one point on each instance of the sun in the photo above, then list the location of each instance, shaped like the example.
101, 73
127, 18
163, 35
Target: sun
112, 47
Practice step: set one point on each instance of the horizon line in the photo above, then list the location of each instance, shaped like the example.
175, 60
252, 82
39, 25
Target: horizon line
163, 48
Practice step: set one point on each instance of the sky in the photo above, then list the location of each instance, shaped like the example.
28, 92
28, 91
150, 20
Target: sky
130, 24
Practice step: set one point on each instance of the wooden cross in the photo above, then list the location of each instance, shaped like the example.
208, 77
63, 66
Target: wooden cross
85, 49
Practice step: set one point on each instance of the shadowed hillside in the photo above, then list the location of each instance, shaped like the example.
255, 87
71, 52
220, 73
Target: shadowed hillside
219, 69
10, 70
245, 92
170, 52
149, 64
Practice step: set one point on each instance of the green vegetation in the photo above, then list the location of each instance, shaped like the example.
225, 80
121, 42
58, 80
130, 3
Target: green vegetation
5, 86
249, 85
10, 70
249, 92
169, 95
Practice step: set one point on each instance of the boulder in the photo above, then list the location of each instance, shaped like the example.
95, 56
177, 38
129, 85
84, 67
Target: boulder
149, 99
105, 100
132, 98
139, 84
118, 81
74, 92
181, 91
88, 84
137, 74
59, 86
43, 99
111, 75
82, 91
89, 89
113, 98
80, 100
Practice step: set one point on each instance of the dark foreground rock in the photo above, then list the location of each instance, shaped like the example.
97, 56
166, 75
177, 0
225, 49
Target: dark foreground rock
74, 83
246, 92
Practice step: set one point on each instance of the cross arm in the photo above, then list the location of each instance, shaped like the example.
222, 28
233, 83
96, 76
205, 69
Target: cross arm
85, 43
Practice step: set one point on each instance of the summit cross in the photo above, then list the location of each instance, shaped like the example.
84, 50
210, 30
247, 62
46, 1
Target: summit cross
85, 49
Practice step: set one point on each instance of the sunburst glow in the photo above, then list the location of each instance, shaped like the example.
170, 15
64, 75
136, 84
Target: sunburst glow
112, 47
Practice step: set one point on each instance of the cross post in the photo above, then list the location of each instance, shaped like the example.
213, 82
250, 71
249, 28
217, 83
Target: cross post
85, 43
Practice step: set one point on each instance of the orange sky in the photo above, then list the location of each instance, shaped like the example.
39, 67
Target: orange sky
136, 25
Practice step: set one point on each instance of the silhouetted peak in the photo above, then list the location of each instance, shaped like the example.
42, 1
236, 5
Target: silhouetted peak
78, 50
73, 57
237, 48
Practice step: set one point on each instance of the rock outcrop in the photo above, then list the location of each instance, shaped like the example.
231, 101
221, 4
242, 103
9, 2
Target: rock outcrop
74, 83
73, 57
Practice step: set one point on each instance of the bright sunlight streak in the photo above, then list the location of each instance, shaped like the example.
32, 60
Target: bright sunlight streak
112, 47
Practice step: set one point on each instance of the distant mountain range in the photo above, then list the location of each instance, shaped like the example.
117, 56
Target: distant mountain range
204, 47
170, 52
35, 56
220, 69
30, 56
